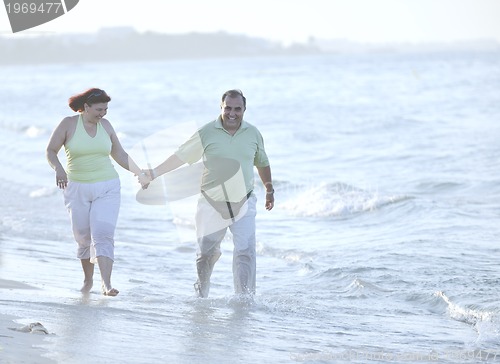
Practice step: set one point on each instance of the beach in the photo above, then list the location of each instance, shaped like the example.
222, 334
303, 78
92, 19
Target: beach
383, 242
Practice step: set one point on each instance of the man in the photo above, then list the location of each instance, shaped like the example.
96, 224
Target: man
230, 147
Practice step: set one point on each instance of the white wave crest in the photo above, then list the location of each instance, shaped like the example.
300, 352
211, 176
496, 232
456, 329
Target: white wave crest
336, 200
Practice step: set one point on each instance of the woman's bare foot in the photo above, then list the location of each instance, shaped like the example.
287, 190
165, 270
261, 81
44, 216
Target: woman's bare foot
87, 286
109, 291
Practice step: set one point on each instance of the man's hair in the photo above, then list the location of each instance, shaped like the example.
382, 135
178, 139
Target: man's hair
235, 93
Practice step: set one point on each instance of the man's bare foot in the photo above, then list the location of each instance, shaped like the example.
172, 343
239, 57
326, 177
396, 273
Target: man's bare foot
87, 286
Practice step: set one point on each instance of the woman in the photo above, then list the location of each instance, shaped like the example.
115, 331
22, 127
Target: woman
91, 184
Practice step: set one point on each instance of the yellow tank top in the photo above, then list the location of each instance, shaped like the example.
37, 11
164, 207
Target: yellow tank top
88, 157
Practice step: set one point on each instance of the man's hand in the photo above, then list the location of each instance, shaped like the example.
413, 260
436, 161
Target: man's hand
269, 200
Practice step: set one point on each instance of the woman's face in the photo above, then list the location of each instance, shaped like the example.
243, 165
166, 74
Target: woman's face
96, 112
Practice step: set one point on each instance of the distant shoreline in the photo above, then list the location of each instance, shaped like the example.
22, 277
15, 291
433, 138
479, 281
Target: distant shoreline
118, 44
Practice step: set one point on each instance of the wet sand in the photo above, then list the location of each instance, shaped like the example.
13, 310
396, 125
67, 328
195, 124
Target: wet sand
18, 346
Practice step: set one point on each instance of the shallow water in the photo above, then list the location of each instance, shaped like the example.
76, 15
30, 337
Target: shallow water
383, 245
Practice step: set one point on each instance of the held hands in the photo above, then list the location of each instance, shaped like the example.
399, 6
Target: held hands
145, 178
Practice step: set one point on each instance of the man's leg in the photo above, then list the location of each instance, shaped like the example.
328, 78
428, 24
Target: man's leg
208, 254
209, 240
244, 255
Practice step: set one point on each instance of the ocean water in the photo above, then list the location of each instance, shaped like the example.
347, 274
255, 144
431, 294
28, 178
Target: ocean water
383, 245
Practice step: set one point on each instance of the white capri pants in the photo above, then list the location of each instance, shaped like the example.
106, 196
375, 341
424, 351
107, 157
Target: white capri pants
209, 241
93, 209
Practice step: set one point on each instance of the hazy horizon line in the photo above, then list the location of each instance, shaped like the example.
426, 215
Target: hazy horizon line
311, 38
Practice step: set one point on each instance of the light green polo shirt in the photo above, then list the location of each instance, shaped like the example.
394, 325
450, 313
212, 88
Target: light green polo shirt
229, 159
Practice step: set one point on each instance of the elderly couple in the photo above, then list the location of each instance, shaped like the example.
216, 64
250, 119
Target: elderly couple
229, 147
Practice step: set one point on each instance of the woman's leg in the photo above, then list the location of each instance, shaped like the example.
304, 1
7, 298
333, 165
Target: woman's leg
103, 218
106, 267
78, 205
88, 271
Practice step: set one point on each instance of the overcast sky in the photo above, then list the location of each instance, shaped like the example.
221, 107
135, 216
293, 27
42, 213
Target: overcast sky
288, 20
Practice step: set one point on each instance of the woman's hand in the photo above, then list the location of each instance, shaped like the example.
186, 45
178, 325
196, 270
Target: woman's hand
61, 179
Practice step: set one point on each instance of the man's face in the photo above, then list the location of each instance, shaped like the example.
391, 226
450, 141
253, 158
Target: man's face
232, 112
